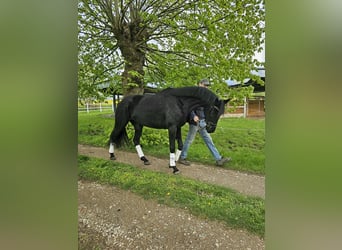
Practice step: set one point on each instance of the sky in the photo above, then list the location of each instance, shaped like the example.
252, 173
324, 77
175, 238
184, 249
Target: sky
260, 56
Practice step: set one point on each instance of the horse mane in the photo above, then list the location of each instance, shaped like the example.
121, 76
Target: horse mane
195, 92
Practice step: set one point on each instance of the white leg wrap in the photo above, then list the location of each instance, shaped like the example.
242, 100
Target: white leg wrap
139, 150
178, 153
172, 160
111, 148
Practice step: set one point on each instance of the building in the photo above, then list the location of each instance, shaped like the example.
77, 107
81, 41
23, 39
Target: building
253, 106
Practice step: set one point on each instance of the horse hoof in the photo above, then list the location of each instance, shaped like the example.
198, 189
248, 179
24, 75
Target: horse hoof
147, 163
175, 169
112, 158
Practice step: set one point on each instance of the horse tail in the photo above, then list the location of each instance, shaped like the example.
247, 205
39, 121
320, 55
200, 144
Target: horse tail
122, 116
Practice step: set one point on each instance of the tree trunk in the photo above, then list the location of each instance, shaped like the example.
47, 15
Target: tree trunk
133, 78
130, 41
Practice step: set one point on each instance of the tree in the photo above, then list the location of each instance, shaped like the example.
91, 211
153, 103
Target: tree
172, 43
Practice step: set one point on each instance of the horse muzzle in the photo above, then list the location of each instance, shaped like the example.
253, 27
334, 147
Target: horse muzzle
211, 127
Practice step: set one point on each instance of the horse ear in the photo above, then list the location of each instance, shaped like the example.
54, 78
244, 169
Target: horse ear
226, 101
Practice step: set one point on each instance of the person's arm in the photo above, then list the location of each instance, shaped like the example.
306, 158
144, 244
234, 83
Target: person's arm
197, 114
201, 118
193, 116
201, 115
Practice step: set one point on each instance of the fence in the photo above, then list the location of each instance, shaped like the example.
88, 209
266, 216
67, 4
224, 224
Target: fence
95, 107
252, 107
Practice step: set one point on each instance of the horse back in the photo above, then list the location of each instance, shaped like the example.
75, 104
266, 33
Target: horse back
158, 111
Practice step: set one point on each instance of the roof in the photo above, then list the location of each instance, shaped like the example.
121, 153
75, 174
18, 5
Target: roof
261, 72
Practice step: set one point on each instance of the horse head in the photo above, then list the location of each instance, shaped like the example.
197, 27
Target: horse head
213, 113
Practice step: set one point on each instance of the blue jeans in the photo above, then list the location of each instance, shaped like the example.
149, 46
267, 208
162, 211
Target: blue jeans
206, 137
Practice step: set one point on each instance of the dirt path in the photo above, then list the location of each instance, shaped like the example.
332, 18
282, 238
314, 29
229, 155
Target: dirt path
248, 184
111, 218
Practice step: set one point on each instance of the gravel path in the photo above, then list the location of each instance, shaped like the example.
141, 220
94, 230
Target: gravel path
253, 185
111, 218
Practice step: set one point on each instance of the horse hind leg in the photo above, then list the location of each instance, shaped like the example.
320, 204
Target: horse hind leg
136, 140
111, 151
141, 155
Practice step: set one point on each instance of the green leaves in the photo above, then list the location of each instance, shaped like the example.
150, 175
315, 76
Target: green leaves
174, 43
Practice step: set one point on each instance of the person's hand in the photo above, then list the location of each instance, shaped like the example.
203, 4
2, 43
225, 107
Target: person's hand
196, 118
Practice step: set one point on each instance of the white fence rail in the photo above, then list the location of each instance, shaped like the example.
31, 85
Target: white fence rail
106, 107
95, 107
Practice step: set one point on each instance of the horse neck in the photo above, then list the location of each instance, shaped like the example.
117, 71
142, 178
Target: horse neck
192, 103
203, 95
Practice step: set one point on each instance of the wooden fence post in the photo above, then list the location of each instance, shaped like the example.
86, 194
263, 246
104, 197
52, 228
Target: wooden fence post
245, 107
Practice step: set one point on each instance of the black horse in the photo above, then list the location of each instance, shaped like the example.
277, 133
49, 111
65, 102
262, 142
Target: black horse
168, 109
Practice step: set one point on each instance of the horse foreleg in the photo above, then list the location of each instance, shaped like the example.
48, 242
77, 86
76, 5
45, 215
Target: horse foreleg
136, 141
172, 143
